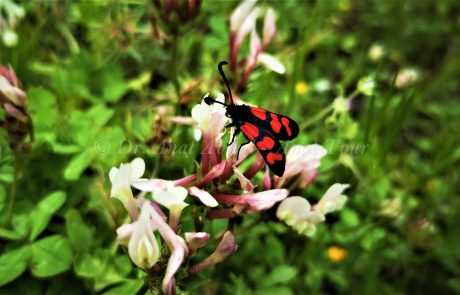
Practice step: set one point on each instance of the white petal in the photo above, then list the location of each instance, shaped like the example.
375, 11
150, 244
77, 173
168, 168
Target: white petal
292, 208
205, 197
112, 174
271, 62
333, 199
143, 247
197, 134
137, 168
314, 217
220, 97
247, 26
172, 197
240, 14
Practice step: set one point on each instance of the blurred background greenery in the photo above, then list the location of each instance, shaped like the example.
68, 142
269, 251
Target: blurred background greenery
101, 83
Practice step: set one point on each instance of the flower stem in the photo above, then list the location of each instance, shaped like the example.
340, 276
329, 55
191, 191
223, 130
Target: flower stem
13, 188
201, 266
174, 78
316, 118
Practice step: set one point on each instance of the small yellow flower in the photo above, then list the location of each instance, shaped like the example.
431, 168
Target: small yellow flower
301, 88
336, 254
345, 5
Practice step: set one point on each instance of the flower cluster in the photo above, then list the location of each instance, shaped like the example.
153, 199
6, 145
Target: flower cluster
10, 14
13, 100
243, 23
171, 16
224, 187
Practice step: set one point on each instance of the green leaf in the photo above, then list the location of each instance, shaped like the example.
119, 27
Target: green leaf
195, 282
281, 290
113, 83
2, 198
114, 268
10, 235
88, 266
128, 287
2, 114
41, 215
13, 264
350, 217
78, 164
372, 237
100, 115
78, 232
43, 109
280, 275
51, 256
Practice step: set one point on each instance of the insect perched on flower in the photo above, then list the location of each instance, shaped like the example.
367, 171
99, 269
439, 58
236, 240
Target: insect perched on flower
261, 127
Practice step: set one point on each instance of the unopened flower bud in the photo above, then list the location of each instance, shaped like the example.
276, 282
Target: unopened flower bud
226, 247
196, 240
366, 86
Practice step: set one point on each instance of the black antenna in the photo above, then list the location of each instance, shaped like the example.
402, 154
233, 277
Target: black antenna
221, 71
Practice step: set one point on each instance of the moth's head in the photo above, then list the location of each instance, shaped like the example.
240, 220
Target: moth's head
208, 100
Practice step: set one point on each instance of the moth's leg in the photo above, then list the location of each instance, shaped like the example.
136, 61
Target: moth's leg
238, 153
235, 133
230, 125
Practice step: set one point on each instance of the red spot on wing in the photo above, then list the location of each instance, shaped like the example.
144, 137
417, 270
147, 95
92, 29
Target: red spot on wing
285, 122
275, 123
250, 130
272, 157
266, 144
259, 113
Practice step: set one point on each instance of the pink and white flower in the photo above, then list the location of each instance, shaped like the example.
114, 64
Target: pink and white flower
302, 217
172, 198
122, 178
210, 120
302, 162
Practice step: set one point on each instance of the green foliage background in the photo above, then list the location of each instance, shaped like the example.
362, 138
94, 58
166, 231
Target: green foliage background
97, 83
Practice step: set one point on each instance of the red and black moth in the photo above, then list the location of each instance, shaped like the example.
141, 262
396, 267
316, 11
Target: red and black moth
261, 127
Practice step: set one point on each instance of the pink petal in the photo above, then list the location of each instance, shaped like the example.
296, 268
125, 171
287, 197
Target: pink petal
258, 164
226, 247
255, 49
9, 75
267, 182
269, 26
185, 181
205, 197
247, 26
177, 246
245, 152
12, 111
183, 120
215, 172
256, 202
150, 185
125, 231
197, 240
245, 183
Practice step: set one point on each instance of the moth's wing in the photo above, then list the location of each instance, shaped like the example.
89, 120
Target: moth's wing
280, 126
268, 146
